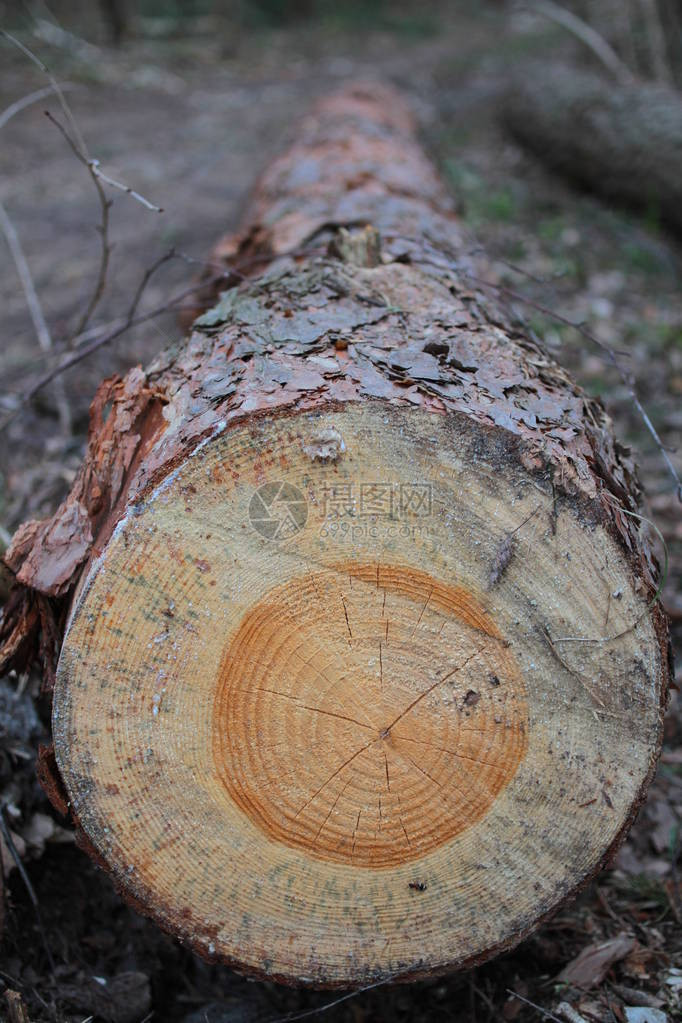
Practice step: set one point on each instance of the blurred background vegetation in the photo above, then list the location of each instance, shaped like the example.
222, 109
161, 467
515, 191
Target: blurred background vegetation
647, 34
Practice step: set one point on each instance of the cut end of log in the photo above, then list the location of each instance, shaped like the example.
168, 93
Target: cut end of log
345, 683
337, 720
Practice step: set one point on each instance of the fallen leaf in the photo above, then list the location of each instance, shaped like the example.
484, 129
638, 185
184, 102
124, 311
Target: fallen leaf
590, 967
641, 1014
674, 979
41, 829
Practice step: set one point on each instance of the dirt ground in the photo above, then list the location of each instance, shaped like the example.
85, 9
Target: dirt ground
188, 113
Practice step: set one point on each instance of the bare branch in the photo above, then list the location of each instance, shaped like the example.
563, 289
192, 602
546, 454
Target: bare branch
104, 339
307, 1013
9, 842
146, 277
653, 32
34, 308
77, 144
92, 167
103, 229
587, 35
26, 101
76, 140
95, 168
57, 89
545, 1012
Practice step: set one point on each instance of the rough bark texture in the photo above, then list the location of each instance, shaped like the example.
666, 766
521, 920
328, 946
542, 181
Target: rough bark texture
349, 292
623, 142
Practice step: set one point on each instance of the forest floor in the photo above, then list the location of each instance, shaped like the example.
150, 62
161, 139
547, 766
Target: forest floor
189, 118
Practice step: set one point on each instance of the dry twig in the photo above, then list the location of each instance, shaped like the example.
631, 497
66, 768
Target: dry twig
76, 142
545, 1012
56, 88
103, 229
83, 351
587, 35
27, 101
655, 38
95, 168
12, 849
35, 311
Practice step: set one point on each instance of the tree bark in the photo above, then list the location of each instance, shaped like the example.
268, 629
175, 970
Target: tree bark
361, 671
623, 142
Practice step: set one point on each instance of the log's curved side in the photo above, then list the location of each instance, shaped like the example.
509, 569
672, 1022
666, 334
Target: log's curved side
362, 675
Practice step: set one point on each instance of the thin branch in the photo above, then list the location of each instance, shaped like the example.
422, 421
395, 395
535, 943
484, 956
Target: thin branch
655, 38
103, 229
9, 842
76, 142
95, 168
35, 310
538, 1008
27, 101
307, 1013
92, 166
104, 339
57, 89
76, 139
587, 35
34, 307
146, 277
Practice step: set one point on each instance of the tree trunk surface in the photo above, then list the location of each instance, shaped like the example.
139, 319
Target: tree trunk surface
623, 142
360, 667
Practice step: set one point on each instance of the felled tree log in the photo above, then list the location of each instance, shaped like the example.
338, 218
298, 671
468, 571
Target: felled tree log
622, 141
363, 673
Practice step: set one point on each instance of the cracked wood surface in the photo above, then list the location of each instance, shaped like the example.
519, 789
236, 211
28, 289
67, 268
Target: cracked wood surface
360, 676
